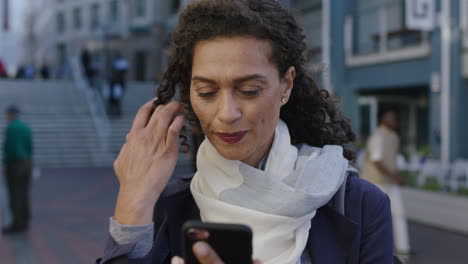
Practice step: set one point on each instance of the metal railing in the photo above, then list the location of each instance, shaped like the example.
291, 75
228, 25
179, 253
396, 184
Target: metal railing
451, 177
95, 102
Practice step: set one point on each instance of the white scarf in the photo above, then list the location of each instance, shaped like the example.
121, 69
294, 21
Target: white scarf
277, 203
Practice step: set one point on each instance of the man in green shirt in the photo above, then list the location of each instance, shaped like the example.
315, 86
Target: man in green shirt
17, 156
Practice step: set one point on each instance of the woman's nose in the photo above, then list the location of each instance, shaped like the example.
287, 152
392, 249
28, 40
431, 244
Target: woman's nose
229, 109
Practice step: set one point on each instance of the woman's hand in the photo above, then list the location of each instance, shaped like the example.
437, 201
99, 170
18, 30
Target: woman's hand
205, 255
147, 161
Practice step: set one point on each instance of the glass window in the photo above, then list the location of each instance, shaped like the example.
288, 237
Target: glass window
367, 25
313, 31
77, 18
140, 8
94, 16
60, 20
140, 60
175, 6
301, 3
61, 54
368, 35
113, 11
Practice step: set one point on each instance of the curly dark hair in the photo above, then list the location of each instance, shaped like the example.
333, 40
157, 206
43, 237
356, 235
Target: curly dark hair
312, 114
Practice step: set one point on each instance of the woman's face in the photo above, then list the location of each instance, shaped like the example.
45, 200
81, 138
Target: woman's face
237, 94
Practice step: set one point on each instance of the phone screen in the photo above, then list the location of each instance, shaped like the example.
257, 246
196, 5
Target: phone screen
232, 242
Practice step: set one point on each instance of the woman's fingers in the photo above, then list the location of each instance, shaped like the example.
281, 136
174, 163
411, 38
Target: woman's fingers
173, 133
205, 254
163, 122
142, 116
163, 117
177, 260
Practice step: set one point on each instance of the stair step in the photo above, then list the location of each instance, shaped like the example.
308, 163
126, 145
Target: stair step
64, 131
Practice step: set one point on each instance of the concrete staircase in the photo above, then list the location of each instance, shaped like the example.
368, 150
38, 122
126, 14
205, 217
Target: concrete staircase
57, 112
65, 135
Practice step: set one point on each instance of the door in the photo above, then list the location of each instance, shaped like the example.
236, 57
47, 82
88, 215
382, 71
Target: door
368, 115
406, 110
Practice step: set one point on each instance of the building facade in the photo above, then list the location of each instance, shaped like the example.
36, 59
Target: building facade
136, 29
12, 33
362, 50
372, 60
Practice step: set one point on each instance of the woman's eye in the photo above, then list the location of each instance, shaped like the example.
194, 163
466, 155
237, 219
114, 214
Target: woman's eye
207, 94
251, 93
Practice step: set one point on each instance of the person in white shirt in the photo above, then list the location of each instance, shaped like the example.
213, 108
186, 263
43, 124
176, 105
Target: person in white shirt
380, 168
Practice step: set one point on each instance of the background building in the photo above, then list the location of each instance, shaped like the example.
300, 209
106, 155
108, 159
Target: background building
364, 51
136, 29
373, 60
12, 32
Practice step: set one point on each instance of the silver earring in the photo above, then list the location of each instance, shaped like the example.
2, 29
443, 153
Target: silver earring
283, 100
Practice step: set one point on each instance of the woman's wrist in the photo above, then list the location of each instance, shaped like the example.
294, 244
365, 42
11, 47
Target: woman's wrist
134, 209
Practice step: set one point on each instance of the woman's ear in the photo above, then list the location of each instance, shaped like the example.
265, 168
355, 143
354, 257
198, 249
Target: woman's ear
288, 82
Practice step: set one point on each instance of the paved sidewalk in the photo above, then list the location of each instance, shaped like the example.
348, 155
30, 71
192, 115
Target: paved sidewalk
69, 219
436, 246
446, 211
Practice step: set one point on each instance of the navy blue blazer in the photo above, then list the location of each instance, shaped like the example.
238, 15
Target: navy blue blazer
363, 235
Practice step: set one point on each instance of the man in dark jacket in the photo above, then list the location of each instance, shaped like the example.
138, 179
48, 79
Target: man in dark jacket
17, 156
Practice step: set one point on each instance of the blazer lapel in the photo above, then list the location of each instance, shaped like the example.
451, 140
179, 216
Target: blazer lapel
332, 237
182, 208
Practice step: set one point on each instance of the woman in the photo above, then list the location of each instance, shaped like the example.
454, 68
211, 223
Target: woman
273, 157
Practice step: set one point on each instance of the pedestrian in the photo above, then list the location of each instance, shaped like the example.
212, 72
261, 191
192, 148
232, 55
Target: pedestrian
275, 150
3, 71
20, 73
29, 71
380, 168
17, 160
45, 71
86, 63
117, 84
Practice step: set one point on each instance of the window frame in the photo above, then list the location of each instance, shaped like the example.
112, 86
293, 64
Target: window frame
94, 21
114, 11
140, 9
61, 23
77, 15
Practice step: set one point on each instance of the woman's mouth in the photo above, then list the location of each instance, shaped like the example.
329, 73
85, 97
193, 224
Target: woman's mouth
231, 138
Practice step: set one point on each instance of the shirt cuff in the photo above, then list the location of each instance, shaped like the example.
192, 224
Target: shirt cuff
141, 236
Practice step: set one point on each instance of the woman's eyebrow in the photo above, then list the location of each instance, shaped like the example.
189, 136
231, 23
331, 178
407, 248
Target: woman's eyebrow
249, 77
202, 79
237, 80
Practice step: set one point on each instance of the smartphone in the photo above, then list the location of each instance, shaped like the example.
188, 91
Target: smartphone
232, 242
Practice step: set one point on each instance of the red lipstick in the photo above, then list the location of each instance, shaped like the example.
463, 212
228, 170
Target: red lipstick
231, 138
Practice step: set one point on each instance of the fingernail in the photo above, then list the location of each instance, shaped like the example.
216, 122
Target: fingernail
201, 248
176, 260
